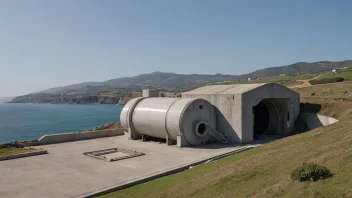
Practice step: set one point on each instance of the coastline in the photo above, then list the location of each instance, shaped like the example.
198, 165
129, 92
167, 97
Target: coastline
27, 121
61, 103
27, 143
70, 99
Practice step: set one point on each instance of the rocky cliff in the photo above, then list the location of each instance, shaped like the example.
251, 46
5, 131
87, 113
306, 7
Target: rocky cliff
66, 99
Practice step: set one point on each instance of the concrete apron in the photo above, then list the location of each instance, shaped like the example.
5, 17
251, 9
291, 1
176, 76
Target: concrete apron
66, 172
158, 174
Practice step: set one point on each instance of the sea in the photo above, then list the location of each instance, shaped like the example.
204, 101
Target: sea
20, 122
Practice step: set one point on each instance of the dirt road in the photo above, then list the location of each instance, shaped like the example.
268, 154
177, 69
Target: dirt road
304, 83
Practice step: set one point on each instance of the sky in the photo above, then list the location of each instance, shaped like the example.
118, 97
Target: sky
47, 43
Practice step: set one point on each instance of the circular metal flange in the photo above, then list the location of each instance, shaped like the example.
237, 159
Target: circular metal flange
201, 129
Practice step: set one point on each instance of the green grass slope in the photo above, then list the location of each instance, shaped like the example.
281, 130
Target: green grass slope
347, 75
265, 171
327, 92
283, 79
14, 151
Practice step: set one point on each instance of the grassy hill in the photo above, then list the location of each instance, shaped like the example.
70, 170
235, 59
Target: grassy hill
327, 92
301, 67
152, 80
265, 171
291, 80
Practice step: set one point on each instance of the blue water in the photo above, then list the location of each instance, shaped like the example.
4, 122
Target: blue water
31, 121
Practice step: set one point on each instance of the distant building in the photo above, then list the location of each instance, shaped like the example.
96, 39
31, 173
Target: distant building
136, 94
169, 95
334, 70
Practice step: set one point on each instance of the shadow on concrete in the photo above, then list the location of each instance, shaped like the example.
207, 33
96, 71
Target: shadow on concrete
222, 125
301, 123
314, 120
308, 118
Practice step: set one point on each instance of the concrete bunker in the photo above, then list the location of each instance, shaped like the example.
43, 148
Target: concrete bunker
235, 114
248, 111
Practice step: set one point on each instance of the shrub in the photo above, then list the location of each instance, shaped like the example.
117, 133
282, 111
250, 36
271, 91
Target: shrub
326, 80
310, 171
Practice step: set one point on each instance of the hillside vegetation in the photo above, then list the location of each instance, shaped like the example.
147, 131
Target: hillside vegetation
326, 80
327, 92
290, 81
265, 171
347, 75
284, 80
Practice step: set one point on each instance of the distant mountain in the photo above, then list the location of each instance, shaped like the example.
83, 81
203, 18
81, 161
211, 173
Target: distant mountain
6, 99
152, 80
65, 99
301, 67
111, 91
70, 87
183, 81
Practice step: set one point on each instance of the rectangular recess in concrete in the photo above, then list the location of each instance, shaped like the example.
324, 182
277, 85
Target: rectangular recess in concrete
113, 154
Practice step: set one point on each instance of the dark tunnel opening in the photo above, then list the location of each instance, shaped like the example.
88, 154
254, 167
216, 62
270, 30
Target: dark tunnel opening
261, 119
202, 128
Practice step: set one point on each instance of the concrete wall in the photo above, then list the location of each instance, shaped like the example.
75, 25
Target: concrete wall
150, 93
314, 120
228, 113
76, 136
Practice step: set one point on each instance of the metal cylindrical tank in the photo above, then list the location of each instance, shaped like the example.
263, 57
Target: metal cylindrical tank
127, 110
191, 118
149, 116
172, 117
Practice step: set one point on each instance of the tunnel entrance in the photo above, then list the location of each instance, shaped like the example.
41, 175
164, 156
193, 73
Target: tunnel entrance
271, 116
261, 119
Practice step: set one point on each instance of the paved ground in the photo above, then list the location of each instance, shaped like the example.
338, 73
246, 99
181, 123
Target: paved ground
66, 172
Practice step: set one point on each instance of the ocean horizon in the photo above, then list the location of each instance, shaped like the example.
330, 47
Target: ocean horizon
19, 122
